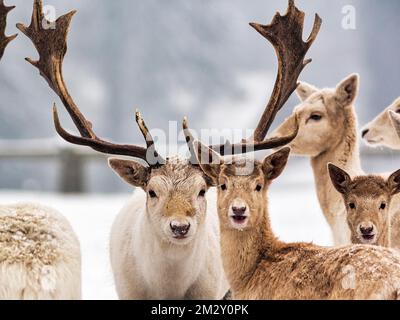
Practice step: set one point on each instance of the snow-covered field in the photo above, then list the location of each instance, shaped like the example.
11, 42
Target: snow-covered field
294, 211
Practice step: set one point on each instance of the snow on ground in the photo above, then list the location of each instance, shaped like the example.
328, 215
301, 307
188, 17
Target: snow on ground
294, 211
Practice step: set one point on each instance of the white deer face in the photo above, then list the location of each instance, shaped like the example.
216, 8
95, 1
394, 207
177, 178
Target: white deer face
381, 131
176, 203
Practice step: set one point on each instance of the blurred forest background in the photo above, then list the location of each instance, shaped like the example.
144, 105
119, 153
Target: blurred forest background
175, 58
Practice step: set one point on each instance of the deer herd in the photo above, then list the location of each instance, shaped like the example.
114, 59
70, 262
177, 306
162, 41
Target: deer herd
199, 227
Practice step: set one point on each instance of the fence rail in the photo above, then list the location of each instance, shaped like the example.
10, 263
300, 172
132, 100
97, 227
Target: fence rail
73, 159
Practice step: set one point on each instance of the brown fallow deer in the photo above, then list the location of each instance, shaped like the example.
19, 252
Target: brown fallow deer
165, 241
367, 200
4, 40
256, 263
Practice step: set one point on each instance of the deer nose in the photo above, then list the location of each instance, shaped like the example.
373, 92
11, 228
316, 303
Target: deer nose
239, 211
179, 229
364, 132
366, 229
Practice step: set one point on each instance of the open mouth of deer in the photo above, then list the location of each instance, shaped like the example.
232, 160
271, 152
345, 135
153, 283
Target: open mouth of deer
239, 219
368, 237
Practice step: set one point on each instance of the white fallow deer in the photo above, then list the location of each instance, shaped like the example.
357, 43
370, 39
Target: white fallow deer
383, 130
328, 134
4, 40
367, 200
165, 241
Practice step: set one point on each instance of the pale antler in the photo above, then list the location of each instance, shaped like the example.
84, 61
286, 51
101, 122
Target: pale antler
4, 40
285, 34
51, 44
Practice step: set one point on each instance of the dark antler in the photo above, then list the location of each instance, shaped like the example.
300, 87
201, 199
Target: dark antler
51, 45
4, 40
285, 34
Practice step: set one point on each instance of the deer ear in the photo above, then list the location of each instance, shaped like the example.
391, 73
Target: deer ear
209, 161
340, 178
347, 90
131, 172
395, 118
274, 164
305, 90
394, 182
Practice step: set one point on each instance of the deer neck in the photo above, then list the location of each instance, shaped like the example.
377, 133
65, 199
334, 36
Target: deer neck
344, 153
243, 250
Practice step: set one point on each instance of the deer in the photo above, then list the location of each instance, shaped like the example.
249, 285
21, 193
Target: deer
257, 264
328, 130
4, 40
367, 200
40, 256
383, 130
164, 243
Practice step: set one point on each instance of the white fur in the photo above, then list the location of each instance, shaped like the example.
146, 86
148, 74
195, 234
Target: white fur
147, 266
39, 254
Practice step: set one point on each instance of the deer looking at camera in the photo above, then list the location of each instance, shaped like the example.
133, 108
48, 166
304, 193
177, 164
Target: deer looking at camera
4, 40
256, 263
367, 200
383, 130
165, 241
328, 134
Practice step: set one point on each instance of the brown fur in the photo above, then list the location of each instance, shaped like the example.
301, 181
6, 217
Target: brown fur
367, 200
259, 266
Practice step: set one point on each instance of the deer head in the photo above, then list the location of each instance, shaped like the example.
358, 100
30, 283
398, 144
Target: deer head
367, 200
383, 130
4, 40
175, 188
322, 115
242, 185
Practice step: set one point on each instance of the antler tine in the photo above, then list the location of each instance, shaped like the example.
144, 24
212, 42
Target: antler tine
51, 44
4, 40
285, 34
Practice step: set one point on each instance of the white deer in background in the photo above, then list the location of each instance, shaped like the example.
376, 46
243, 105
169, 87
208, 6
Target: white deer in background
382, 131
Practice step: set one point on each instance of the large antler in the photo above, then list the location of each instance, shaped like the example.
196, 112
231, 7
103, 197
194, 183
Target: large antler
4, 40
285, 34
51, 44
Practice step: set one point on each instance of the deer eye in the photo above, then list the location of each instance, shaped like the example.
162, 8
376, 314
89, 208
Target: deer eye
315, 117
152, 194
202, 193
398, 111
223, 187
352, 205
258, 188
383, 206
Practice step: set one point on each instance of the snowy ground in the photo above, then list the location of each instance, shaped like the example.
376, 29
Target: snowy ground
294, 211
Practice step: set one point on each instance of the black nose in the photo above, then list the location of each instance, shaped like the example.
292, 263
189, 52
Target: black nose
239, 211
364, 132
180, 229
366, 231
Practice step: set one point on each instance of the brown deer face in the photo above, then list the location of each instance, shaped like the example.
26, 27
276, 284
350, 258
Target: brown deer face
176, 202
242, 186
367, 200
321, 115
